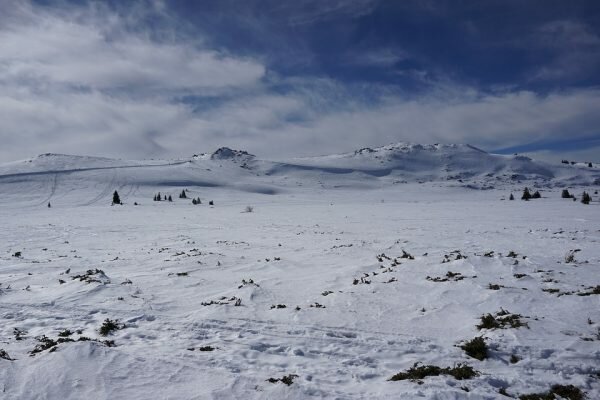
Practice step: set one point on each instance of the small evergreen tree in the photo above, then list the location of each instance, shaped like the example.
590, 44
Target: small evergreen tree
49, 205
165, 197
170, 198
526, 194
182, 195
194, 202
565, 194
536, 195
198, 201
211, 203
511, 197
590, 165
158, 197
116, 199
586, 198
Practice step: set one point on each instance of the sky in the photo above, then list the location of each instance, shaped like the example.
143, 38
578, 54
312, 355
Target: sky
173, 78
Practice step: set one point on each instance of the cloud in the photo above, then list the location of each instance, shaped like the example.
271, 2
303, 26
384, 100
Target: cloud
96, 52
91, 80
302, 12
574, 49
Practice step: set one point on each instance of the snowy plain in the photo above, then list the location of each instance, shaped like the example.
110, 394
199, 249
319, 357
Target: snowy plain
348, 270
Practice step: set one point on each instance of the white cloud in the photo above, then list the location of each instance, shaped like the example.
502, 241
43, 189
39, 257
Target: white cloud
83, 81
574, 49
86, 51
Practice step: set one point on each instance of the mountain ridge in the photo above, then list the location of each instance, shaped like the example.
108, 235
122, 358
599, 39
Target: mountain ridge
52, 175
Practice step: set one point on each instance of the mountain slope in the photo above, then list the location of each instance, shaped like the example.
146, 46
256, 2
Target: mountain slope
86, 180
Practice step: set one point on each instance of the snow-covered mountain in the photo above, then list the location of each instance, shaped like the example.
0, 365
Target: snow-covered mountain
58, 176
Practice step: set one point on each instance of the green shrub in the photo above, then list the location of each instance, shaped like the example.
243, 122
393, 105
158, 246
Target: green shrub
418, 372
476, 348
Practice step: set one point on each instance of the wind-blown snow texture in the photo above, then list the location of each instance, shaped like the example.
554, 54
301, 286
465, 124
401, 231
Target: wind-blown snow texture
326, 239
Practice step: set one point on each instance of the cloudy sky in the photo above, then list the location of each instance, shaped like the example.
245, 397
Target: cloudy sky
170, 78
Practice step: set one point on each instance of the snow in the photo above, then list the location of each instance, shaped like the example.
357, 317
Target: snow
317, 225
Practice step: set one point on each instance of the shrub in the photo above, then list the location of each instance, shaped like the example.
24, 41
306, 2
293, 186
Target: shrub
109, 326
476, 348
536, 195
416, 372
4, 355
569, 392
249, 209
502, 320
287, 379
565, 194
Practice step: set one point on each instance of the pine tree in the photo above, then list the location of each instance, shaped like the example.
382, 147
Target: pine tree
194, 202
511, 197
182, 195
536, 195
198, 201
49, 205
116, 199
170, 198
586, 198
211, 203
590, 165
526, 194
158, 197
565, 194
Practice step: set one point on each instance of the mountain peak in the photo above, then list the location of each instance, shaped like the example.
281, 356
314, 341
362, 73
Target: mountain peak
225, 153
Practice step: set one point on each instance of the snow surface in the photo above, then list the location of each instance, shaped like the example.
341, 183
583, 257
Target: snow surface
318, 226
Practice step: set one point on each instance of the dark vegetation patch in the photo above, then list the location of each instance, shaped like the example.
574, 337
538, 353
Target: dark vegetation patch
453, 256
92, 275
286, 379
590, 291
65, 333
46, 343
569, 392
19, 333
407, 255
501, 320
450, 276
109, 326
249, 282
4, 355
278, 306
476, 348
202, 348
551, 290
224, 301
418, 372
